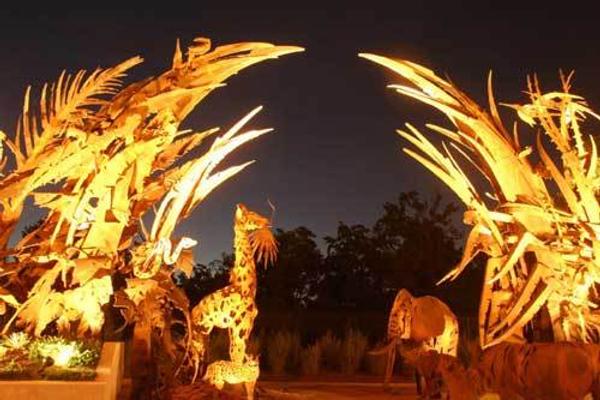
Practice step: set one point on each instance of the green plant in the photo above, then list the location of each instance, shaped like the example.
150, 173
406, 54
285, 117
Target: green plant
16, 340
353, 350
23, 357
311, 359
331, 348
65, 353
87, 355
11, 370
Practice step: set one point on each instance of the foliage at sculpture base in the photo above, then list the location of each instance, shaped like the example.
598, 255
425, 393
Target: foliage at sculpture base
52, 358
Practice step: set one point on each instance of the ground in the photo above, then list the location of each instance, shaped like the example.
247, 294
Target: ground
305, 390
336, 391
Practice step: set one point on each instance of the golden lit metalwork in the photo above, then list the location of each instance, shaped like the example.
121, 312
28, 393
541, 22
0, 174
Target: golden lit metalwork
234, 307
559, 371
98, 157
426, 321
220, 372
540, 224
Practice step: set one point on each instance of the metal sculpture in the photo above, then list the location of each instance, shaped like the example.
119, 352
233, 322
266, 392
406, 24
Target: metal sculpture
540, 223
99, 159
234, 307
425, 321
220, 372
535, 371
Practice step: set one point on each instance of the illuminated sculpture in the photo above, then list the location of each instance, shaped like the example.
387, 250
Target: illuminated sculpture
233, 307
98, 158
540, 224
426, 321
220, 372
461, 383
536, 371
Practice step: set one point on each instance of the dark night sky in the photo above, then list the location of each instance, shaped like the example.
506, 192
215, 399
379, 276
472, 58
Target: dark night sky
334, 155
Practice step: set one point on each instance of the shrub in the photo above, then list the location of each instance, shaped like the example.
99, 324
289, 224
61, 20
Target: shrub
254, 345
353, 350
331, 350
71, 353
48, 358
376, 363
280, 350
311, 359
294, 357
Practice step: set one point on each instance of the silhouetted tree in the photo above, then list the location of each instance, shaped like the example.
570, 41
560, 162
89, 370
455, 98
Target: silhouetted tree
412, 245
417, 242
293, 280
350, 279
206, 279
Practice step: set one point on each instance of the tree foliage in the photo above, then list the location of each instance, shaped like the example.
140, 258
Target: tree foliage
411, 245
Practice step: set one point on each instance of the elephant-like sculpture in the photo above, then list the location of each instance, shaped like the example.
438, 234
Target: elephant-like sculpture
425, 322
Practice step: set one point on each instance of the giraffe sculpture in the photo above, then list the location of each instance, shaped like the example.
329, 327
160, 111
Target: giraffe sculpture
233, 307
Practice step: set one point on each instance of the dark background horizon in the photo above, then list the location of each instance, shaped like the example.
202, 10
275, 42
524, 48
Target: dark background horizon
334, 155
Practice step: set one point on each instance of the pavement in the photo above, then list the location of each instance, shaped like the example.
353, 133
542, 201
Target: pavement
335, 391
306, 390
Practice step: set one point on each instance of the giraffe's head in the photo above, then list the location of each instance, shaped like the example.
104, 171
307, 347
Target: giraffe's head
258, 229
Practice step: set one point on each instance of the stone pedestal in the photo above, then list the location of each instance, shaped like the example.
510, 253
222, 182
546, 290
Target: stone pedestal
109, 375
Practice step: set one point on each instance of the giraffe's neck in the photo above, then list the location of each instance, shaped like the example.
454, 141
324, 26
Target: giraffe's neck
243, 274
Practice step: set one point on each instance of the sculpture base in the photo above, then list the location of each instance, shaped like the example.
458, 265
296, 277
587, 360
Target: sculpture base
109, 374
